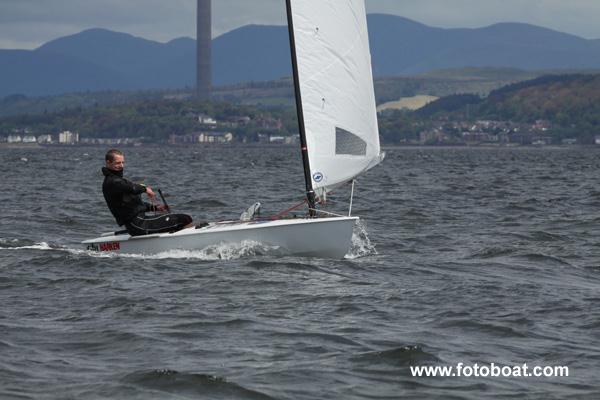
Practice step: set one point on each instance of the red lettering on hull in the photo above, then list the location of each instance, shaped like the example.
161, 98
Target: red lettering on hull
110, 246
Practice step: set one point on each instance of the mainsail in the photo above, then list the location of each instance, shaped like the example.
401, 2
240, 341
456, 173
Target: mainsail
333, 74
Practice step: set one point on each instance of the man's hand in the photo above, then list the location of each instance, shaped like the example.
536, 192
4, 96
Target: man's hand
161, 208
150, 193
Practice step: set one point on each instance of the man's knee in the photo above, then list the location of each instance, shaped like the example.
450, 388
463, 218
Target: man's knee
135, 231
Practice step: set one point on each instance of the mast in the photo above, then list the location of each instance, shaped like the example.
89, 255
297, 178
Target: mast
310, 193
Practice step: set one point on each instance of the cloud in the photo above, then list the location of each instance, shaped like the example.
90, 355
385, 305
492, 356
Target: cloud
29, 23
34, 22
578, 17
230, 14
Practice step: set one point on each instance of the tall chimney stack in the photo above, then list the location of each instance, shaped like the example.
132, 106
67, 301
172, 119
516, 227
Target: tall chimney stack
203, 49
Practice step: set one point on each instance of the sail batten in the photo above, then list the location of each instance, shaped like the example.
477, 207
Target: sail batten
335, 78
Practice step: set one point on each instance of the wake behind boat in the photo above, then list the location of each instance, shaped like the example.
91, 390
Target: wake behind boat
339, 138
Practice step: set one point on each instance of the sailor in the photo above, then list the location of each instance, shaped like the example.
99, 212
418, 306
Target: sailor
124, 200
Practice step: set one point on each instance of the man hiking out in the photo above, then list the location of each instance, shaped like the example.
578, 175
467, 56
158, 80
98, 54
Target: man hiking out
124, 200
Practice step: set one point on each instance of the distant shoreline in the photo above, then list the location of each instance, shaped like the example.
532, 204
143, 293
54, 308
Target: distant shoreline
254, 145
19, 146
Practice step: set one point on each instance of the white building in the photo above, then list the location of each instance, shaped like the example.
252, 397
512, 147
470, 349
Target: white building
206, 120
44, 139
278, 139
215, 137
68, 137
29, 139
14, 139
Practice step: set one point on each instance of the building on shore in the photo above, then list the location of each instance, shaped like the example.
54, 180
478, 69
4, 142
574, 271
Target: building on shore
266, 138
113, 142
68, 137
202, 137
207, 120
45, 139
216, 137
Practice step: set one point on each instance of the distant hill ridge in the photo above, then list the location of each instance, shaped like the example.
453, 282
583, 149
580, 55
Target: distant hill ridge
99, 59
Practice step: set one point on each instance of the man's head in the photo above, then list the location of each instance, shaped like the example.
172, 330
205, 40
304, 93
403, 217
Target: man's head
115, 160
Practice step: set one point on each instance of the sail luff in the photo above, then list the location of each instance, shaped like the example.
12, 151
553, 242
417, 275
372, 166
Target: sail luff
310, 194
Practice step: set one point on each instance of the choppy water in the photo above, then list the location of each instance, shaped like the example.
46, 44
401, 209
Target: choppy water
482, 255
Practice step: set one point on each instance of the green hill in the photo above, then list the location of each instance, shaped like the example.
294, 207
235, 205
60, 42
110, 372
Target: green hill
561, 106
568, 100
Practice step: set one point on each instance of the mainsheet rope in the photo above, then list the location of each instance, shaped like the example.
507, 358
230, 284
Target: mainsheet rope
289, 210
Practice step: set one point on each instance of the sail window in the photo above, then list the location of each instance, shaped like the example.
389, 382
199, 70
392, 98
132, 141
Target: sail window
348, 143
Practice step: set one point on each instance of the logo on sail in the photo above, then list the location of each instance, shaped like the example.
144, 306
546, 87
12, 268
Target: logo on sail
318, 177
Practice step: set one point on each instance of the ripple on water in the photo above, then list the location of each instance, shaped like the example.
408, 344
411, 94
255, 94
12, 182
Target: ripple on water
403, 356
191, 384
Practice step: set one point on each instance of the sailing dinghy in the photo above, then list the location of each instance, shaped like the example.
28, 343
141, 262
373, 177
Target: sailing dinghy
339, 136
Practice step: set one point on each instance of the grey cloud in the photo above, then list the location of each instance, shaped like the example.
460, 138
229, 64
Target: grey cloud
29, 23
230, 14
33, 22
578, 17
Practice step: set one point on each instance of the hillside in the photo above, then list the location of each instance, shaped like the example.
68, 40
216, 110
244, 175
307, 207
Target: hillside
564, 100
153, 120
407, 103
279, 93
554, 106
100, 60
568, 104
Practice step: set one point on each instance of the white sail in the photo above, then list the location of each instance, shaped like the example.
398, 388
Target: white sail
336, 87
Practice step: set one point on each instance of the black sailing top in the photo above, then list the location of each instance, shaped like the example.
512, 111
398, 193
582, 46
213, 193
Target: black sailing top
123, 196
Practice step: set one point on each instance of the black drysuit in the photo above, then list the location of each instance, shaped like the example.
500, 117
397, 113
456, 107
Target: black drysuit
124, 200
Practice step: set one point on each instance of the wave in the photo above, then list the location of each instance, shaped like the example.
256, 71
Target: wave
191, 384
204, 203
361, 245
223, 251
231, 323
18, 244
313, 337
400, 356
543, 236
544, 259
483, 326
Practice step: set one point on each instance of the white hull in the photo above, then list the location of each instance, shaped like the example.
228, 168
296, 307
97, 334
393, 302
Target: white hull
319, 237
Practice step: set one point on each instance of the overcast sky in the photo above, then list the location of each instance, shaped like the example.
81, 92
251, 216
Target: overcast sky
26, 24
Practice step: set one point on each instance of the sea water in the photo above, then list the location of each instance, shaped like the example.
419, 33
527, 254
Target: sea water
463, 255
